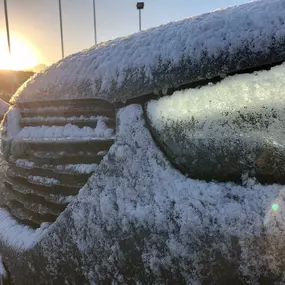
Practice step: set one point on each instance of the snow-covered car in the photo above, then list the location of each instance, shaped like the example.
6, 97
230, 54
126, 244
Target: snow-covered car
152, 159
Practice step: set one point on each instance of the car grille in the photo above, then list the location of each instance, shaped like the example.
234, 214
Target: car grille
43, 179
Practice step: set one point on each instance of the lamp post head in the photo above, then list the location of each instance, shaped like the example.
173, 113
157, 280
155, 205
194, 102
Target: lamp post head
140, 5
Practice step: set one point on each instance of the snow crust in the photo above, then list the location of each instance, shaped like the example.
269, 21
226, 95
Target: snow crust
138, 212
138, 64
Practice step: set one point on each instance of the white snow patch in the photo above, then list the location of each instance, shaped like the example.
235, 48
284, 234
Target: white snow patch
76, 168
102, 152
25, 163
63, 168
18, 236
65, 132
50, 119
43, 180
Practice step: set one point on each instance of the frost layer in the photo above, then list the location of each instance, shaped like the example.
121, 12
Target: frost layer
196, 48
139, 219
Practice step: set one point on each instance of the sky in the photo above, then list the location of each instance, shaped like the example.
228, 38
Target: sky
34, 24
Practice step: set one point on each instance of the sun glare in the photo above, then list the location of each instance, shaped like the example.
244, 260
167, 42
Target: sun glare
23, 55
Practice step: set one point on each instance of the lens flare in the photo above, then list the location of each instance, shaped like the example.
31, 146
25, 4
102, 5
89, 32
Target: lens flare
275, 207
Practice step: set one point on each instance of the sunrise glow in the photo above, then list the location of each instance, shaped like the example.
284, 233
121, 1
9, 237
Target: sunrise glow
23, 54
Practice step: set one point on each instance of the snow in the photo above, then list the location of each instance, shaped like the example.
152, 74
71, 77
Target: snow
65, 132
203, 47
76, 168
55, 119
136, 200
18, 236
219, 111
25, 163
3, 272
239, 93
43, 180
4, 106
65, 168
11, 125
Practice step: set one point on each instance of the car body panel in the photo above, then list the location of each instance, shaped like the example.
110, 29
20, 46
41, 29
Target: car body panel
138, 219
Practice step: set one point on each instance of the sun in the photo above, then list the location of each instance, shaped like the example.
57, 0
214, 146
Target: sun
23, 55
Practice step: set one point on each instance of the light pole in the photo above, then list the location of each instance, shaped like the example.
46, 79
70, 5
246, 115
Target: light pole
140, 6
61, 30
95, 28
7, 30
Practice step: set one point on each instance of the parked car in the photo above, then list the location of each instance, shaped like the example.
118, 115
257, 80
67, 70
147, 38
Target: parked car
152, 159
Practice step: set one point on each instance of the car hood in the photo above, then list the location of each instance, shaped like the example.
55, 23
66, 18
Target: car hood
183, 52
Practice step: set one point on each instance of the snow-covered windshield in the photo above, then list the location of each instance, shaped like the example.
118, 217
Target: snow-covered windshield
224, 130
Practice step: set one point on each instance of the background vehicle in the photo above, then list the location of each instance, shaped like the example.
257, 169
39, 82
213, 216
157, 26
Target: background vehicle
97, 189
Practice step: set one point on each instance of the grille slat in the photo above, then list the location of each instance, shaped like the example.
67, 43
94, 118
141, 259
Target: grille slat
69, 111
67, 145
34, 203
68, 169
17, 186
26, 216
62, 121
21, 217
45, 181
43, 177
71, 178
63, 157
41, 190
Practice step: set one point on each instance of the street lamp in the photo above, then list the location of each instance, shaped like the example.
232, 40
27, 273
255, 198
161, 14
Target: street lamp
94, 15
7, 30
61, 30
140, 6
